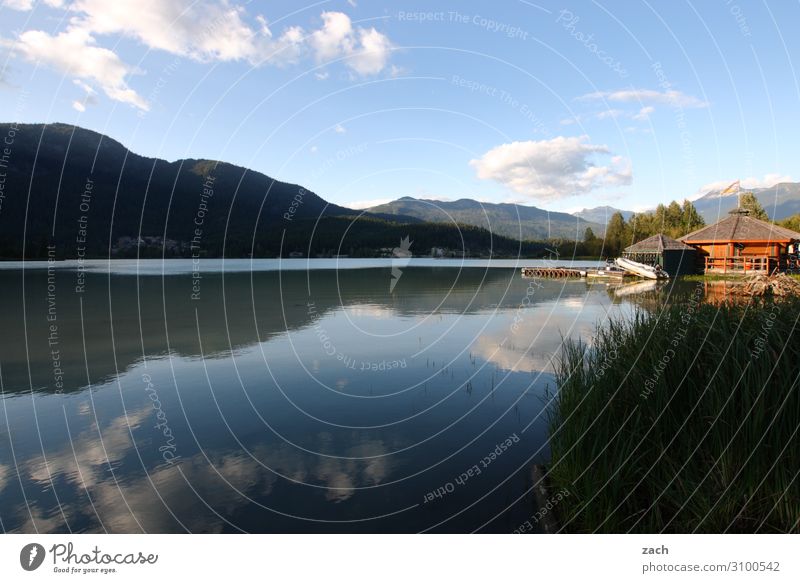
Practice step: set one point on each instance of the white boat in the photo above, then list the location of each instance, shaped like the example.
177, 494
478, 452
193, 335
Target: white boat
640, 269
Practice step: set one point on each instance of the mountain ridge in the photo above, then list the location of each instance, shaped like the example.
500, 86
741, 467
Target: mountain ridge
601, 214
71, 192
781, 200
506, 219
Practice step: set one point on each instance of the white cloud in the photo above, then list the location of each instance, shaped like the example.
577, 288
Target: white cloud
265, 30
314, 149
75, 53
25, 5
86, 88
89, 97
18, 4
322, 75
365, 50
204, 30
339, 129
613, 113
646, 98
201, 30
768, 180
552, 169
373, 53
609, 114
644, 113
334, 38
671, 97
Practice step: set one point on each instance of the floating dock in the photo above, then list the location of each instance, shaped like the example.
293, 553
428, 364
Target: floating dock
573, 273
614, 274
554, 272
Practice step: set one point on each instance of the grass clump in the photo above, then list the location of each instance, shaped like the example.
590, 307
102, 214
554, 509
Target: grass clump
682, 421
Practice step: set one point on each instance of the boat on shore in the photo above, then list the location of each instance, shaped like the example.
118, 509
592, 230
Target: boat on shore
641, 269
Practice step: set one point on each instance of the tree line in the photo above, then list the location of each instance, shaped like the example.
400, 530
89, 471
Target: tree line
673, 220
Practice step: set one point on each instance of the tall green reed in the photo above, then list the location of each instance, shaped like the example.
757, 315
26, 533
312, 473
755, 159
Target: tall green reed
684, 420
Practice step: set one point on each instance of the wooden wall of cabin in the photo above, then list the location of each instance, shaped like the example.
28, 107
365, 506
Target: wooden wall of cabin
775, 251
727, 250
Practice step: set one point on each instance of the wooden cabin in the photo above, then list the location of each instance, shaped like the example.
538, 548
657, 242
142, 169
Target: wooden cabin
674, 257
741, 244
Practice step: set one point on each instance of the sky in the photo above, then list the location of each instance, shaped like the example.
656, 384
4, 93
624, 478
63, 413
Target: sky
561, 105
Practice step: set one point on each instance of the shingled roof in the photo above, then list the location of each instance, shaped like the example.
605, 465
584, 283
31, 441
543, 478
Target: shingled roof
657, 244
738, 226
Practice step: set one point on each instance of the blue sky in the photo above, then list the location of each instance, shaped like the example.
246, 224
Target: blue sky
562, 105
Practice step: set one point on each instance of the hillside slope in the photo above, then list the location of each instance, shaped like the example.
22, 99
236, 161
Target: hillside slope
84, 194
509, 220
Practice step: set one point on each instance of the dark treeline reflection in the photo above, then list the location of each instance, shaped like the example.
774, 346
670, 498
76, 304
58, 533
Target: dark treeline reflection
119, 319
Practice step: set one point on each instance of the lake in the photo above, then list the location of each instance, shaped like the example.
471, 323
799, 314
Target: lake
274, 396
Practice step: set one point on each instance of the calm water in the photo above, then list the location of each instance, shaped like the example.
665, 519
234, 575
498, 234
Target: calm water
280, 400
183, 266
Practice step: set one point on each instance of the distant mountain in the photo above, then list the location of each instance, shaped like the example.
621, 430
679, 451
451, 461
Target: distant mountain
601, 214
84, 194
510, 220
780, 201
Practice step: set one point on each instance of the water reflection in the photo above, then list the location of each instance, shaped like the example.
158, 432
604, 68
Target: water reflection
281, 401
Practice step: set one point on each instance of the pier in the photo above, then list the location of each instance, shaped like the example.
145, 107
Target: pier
574, 273
554, 272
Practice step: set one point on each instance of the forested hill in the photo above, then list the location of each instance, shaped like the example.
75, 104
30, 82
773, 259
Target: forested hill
84, 194
510, 220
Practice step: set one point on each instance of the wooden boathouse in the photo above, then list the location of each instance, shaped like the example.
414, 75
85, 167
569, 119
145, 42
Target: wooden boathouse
741, 244
672, 256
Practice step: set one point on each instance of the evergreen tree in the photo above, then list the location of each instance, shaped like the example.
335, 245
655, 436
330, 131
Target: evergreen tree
690, 218
792, 222
617, 235
673, 218
660, 218
642, 226
749, 201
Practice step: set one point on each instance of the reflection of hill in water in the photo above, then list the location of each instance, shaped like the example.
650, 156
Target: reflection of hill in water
156, 316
